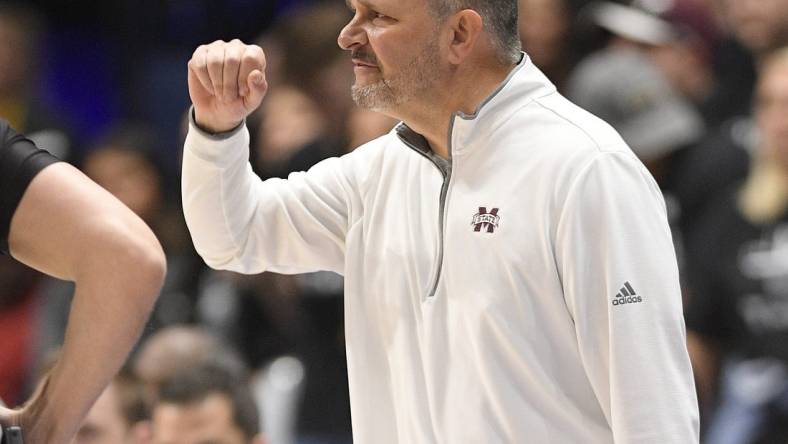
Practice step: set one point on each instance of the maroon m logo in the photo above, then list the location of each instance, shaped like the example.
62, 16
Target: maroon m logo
484, 220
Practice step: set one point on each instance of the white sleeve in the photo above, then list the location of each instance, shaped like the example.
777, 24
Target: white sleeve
241, 223
618, 269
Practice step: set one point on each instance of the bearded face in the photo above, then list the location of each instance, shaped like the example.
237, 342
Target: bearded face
400, 84
394, 45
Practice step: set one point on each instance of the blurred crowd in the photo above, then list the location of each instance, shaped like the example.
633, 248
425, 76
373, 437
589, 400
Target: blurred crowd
698, 89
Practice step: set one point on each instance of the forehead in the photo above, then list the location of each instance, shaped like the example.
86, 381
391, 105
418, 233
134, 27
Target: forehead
410, 5
211, 418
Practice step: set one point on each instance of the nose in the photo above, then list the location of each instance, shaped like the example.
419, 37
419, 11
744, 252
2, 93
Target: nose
352, 34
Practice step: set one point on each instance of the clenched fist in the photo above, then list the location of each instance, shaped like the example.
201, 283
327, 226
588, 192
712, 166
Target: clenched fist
226, 83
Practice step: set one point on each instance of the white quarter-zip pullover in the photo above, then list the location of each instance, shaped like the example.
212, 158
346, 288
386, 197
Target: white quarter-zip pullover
527, 292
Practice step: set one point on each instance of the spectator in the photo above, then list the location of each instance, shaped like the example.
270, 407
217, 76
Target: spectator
681, 38
623, 87
756, 28
738, 315
119, 416
546, 34
291, 127
21, 35
314, 62
760, 25
206, 403
174, 349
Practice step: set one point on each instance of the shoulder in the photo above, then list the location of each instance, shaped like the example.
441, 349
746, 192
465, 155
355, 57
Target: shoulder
564, 142
570, 126
558, 136
20, 158
20, 162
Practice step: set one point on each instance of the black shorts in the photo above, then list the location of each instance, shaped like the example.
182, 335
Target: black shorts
20, 161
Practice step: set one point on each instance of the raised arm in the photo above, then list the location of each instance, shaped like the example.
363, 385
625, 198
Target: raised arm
226, 83
68, 227
237, 221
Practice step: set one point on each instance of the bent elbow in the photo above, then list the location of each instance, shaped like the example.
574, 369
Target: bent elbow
141, 258
152, 265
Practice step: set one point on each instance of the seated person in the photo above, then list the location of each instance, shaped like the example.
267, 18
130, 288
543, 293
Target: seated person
205, 404
119, 416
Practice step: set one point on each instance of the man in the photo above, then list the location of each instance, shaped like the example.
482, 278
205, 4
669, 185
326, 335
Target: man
174, 349
206, 404
54, 219
119, 416
509, 272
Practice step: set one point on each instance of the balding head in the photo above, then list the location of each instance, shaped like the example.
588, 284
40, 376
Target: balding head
174, 349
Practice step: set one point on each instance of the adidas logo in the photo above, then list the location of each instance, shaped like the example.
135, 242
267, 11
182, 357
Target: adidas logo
626, 295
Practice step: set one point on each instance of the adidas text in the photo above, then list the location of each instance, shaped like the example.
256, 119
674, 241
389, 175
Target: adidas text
627, 300
627, 295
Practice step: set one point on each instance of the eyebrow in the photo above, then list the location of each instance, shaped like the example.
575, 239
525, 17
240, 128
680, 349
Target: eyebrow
363, 2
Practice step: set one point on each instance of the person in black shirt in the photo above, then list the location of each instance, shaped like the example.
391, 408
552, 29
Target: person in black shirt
737, 310
54, 219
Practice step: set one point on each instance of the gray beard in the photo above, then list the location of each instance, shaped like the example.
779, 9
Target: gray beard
416, 79
376, 97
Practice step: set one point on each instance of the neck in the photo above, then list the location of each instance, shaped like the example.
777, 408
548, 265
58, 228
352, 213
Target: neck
464, 90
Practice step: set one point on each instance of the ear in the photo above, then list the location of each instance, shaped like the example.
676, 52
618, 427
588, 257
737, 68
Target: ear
466, 27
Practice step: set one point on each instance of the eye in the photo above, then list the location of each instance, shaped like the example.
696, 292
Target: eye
380, 18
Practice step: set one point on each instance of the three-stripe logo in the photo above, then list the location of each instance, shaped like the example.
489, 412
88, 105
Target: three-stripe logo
627, 295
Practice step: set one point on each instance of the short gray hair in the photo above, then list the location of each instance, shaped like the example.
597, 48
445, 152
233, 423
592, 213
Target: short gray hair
500, 22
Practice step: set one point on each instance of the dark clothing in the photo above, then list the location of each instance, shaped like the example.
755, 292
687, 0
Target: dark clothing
20, 161
739, 300
697, 174
734, 67
740, 281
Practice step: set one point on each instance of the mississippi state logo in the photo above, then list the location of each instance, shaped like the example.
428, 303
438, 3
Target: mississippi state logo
484, 220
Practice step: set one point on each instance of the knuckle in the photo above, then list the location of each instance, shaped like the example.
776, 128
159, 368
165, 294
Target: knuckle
216, 46
214, 64
250, 58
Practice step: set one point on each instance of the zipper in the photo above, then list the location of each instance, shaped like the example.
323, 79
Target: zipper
441, 219
447, 175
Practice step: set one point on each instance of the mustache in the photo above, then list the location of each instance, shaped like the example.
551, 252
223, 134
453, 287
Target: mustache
364, 56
